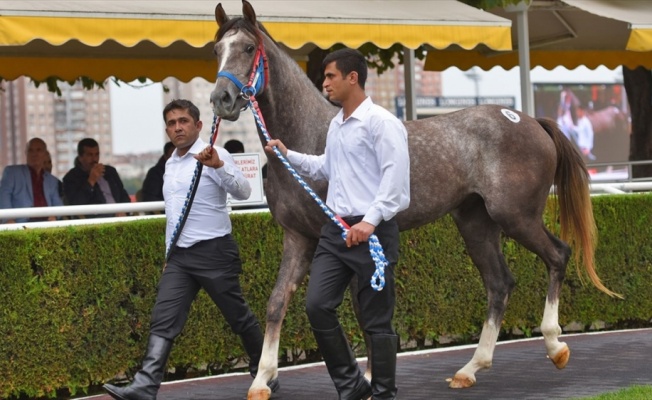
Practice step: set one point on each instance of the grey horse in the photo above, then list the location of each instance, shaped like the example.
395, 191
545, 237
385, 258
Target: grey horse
491, 168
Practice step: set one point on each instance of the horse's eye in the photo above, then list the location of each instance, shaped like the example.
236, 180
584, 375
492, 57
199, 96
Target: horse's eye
250, 48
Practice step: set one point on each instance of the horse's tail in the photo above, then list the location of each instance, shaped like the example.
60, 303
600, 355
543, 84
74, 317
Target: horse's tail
574, 204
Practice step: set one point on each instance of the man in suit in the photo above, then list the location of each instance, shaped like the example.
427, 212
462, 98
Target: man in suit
30, 185
91, 182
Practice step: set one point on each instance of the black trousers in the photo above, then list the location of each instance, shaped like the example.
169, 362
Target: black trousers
332, 269
213, 265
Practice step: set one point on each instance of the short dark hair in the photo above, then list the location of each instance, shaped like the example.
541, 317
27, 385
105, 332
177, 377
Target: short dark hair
86, 143
182, 104
347, 61
234, 146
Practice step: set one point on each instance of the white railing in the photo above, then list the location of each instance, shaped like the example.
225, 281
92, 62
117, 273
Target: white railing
618, 171
136, 209
621, 187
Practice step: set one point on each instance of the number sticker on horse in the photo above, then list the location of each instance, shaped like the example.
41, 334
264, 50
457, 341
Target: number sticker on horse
510, 115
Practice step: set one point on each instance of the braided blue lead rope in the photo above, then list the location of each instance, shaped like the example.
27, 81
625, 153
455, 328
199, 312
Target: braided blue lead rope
375, 249
186, 205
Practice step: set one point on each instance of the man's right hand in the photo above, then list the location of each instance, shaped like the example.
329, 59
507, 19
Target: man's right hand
95, 174
275, 142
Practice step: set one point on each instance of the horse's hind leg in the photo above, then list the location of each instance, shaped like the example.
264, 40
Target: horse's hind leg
482, 238
555, 254
297, 253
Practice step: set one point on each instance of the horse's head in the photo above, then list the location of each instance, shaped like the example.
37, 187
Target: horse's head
241, 57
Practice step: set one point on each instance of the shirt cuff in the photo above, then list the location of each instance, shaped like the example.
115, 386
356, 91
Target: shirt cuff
226, 169
373, 217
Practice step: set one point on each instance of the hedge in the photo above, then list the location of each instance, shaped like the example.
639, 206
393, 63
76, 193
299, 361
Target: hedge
76, 301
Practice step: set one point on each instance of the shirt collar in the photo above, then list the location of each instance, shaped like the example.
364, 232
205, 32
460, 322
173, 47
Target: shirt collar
359, 112
195, 149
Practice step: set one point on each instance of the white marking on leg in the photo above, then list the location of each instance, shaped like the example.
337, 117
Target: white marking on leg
550, 328
268, 365
483, 356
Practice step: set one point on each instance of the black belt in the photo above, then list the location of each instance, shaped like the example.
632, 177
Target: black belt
353, 220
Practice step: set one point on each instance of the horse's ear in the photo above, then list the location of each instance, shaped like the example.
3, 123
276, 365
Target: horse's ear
248, 12
220, 15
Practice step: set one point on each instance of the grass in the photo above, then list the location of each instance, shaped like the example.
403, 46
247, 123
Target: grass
631, 393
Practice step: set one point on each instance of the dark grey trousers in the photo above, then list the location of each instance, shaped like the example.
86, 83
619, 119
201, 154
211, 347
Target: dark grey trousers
213, 265
332, 269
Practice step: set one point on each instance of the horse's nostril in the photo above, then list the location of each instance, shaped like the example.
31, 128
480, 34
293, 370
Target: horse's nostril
226, 98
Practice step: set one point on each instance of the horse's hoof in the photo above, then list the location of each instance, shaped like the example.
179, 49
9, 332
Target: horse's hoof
561, 358
461, 381
259, 394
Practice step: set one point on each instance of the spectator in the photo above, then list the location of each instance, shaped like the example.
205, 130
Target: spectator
30, 185
91, 182
48, 167
153, 184
234, 146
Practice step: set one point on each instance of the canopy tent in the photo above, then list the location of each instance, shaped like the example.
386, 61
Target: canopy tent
568, 33
157, 39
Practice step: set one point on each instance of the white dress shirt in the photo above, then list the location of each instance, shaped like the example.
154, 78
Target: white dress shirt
209, 217
366, 163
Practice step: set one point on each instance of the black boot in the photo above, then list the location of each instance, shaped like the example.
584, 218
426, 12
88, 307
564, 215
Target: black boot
341, 364
253, 339
148, 379
383, 366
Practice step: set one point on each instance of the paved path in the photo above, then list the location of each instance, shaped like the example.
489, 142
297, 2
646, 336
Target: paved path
600, 362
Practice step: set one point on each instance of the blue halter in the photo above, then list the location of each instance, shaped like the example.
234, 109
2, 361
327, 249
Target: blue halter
256, 81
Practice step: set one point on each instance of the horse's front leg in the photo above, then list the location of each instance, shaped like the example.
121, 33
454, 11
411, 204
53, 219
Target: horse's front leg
297, 253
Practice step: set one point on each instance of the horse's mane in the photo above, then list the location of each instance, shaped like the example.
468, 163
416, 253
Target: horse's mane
241, 23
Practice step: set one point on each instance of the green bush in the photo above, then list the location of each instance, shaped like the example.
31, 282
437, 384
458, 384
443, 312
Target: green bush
76, 301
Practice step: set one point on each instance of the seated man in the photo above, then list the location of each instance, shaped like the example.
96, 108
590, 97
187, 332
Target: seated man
30, 185
91, 182
153, 183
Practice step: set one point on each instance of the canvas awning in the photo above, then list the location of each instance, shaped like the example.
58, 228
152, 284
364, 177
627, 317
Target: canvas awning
568, 33
157, 39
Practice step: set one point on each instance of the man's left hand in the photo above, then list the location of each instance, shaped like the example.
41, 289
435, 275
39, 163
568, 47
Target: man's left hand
359, 233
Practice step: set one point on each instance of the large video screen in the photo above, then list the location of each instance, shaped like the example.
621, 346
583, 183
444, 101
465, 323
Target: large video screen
594, 116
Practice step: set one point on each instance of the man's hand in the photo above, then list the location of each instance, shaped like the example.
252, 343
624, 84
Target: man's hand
95, 174
359, 233
210, 158
275, 142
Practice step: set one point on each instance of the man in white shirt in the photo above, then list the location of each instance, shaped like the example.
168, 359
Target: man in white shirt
367, 165
205, 254
584, 133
